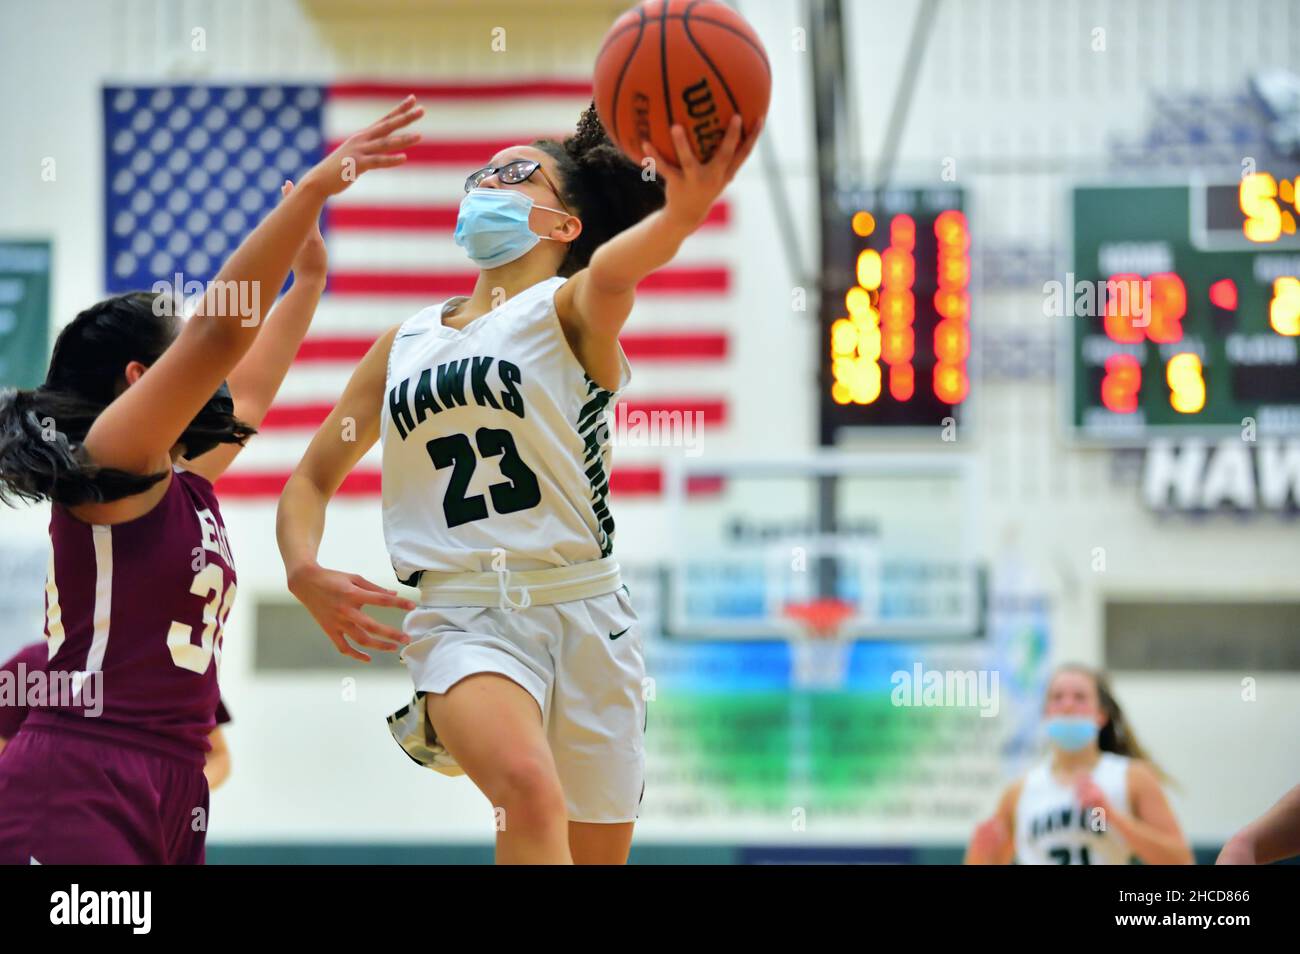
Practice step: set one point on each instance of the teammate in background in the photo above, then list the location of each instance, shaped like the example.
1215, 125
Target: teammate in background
1096, 800
525, 653
133, 424
216, 765
1274, 836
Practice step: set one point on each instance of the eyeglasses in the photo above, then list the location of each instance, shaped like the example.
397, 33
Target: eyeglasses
512, 173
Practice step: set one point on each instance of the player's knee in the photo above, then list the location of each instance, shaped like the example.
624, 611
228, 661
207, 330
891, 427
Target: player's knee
527, 789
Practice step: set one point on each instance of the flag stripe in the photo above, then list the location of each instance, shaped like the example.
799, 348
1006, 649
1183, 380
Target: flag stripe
459, 118
394, 217
432, 250
657, 314
324, 382
509, 89
701, 280
362, 482
292, 415
403, 218
445, 151
685, 346
649, 481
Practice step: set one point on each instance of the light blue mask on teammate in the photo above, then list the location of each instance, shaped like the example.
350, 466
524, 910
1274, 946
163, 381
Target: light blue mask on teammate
492, 226
1071, 733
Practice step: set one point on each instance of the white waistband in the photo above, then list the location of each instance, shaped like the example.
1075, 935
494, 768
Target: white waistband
519, 589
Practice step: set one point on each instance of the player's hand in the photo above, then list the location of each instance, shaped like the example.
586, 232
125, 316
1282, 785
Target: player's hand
991, 838
693, 186
378, 146
1090, 796
335, 599
311, 263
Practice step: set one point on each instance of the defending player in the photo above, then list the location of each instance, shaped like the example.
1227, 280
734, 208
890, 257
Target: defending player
131, 427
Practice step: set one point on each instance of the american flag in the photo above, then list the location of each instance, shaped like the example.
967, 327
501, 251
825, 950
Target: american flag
190, 169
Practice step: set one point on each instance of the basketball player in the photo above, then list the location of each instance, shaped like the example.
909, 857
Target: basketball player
216, 762
525, 651
1095, 800
131, 427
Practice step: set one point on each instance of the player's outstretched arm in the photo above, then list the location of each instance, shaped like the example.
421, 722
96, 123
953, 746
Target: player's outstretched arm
137, 431
1273, 836
595, 303
257, 378
334, 599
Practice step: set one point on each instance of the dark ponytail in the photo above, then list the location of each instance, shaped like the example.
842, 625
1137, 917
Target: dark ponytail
41, 431
605, 188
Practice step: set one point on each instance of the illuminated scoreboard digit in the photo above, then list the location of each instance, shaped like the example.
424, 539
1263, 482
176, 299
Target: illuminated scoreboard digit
1184, 308
896, 335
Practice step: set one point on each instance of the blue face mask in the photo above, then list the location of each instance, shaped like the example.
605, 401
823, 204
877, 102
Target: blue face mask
492, 226
1071, 733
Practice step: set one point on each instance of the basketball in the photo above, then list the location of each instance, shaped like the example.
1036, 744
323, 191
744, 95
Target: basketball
693, 62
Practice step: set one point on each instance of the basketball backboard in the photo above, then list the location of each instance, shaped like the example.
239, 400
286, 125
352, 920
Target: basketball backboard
891, 535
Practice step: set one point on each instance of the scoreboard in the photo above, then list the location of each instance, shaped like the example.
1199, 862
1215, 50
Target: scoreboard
895, 328
1183, 306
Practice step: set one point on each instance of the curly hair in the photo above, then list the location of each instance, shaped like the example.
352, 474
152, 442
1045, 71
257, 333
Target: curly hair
607, 190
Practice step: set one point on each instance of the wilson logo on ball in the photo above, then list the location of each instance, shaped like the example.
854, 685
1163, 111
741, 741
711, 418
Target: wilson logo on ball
693, 63
641, 106
706, 129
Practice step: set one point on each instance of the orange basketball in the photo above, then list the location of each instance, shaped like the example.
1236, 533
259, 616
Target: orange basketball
690, 62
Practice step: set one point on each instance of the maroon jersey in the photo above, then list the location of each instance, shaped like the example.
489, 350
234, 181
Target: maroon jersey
14, 710
27, 660
139, 607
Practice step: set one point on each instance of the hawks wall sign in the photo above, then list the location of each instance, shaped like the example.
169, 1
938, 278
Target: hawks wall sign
1196, 475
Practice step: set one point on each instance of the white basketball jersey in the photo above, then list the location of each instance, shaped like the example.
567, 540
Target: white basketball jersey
1053, 829
494, 440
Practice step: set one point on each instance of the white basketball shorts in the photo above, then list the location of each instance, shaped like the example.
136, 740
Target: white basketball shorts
581, 660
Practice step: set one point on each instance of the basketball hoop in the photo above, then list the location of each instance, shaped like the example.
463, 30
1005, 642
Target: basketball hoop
820, 654
820, 619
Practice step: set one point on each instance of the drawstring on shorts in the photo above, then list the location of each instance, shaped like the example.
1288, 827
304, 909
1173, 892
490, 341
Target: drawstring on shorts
503, 586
